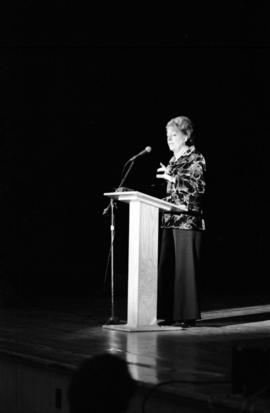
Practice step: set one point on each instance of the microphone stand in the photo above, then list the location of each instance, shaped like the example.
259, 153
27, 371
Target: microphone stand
114, 319
126, 174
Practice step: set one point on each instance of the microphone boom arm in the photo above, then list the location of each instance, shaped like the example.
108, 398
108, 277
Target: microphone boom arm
131, 163
120, 185
126, 174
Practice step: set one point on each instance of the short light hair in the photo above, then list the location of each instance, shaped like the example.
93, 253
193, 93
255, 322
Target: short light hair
184, 124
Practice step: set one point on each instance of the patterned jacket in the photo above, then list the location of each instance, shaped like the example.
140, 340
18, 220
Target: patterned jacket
188, 190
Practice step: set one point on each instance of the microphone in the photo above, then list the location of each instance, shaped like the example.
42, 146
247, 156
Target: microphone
146, 150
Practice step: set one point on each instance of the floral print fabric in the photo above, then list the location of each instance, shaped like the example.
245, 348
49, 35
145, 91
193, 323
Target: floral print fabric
188, 190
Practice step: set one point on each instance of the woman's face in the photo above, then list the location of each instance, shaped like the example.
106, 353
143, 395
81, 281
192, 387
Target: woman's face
176, 139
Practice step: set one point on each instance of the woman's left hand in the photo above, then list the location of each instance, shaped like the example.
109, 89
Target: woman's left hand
164, 173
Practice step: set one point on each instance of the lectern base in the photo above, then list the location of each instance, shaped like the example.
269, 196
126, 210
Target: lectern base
126, 327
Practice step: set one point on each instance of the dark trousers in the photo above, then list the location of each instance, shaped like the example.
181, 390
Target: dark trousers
179, 264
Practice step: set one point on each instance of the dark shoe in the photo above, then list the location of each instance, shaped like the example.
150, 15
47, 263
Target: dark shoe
188, 323
165, 323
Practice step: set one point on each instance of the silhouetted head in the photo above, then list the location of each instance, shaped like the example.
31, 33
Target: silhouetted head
101, 384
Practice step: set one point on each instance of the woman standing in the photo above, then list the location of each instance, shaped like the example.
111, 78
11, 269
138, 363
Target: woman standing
181, 236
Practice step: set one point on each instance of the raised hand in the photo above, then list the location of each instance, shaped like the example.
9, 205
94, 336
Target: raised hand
163, 173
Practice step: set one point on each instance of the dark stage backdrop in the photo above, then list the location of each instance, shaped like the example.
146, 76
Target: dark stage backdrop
76, 104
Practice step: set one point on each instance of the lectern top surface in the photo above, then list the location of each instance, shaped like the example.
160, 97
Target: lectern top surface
129, 196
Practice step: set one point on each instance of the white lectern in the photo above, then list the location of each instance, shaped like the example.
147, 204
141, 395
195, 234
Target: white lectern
142, 260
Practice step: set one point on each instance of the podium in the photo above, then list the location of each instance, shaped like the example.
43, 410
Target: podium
142, 259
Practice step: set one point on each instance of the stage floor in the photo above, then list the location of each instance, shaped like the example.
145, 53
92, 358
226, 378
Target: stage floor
194, 363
